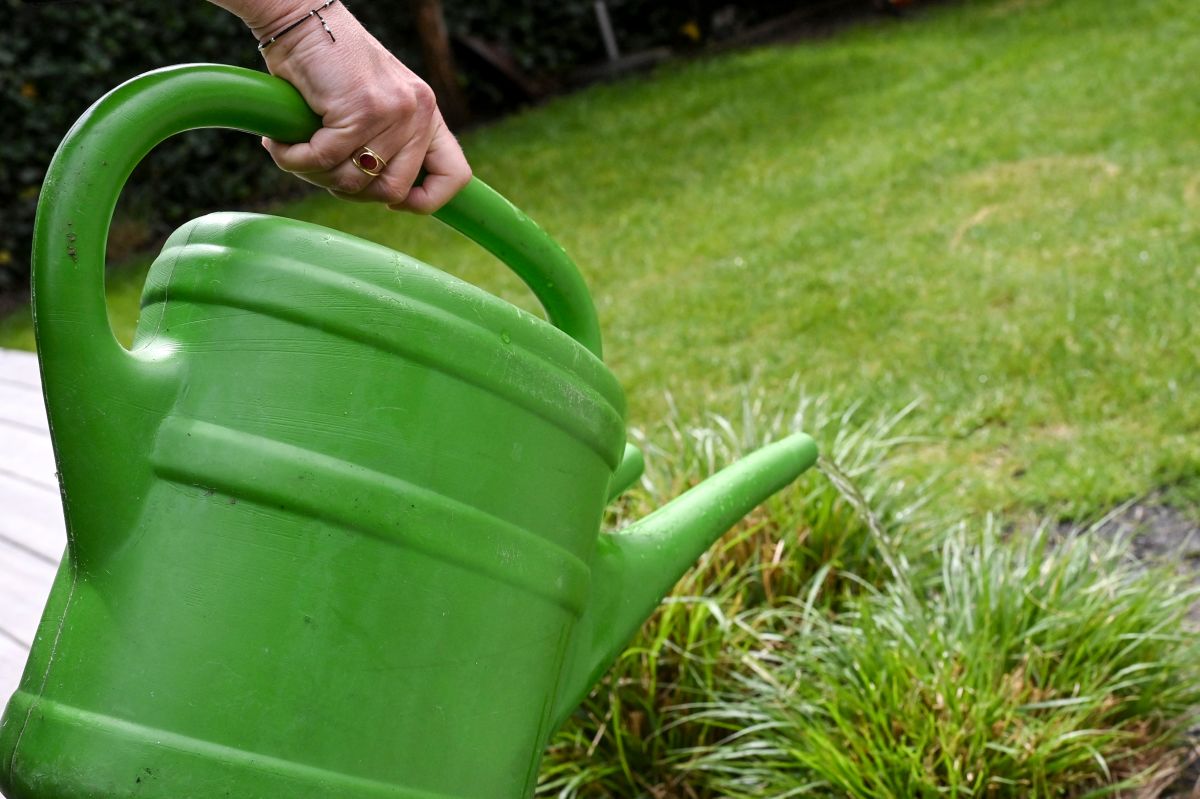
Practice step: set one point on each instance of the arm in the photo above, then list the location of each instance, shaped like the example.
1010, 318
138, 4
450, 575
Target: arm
366, 98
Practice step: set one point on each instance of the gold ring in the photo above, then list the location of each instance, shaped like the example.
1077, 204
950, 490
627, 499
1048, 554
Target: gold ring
369, 161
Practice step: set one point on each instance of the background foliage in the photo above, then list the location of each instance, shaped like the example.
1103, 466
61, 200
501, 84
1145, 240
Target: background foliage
57, 58
847, 226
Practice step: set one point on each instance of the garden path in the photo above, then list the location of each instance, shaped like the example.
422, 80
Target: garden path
32, 530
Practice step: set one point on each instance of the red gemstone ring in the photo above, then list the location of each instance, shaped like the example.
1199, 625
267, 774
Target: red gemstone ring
369, 161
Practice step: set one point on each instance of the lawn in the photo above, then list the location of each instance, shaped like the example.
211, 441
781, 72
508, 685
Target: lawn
987, 211
991, 209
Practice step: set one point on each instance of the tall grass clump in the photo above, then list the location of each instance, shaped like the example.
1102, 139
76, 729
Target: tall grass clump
845, 641
814, 525
1032, 667
634, 736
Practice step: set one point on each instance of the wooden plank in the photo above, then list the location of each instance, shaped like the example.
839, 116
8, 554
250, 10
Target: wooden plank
25, 583
19, 368
32, 530
12, 663
27, 457
24, 587
22, 403
31, 519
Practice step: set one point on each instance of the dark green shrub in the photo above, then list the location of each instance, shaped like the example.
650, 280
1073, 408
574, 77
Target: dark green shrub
57, 58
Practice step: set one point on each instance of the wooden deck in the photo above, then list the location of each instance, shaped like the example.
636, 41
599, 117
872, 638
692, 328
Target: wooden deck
32, 531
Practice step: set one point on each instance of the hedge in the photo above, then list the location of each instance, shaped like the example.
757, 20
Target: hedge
57, 58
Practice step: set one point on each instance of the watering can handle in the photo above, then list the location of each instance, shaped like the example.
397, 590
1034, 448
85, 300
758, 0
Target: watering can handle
100, 151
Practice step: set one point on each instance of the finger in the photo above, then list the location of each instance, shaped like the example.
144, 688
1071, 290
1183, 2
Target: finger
326, 150
393, 185
347, 178
447, 172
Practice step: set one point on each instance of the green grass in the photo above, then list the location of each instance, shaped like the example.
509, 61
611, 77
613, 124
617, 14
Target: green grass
636, 734
991, 208
1021, 670
963, 251
847, 640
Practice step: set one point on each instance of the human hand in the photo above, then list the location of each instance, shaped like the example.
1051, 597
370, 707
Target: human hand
366, 98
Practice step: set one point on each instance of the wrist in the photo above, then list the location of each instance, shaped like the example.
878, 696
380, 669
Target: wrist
264, 16
307, 25
268, 18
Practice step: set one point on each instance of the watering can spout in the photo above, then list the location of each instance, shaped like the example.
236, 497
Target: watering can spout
636, 567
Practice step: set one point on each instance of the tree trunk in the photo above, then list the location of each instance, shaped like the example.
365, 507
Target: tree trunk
439, 61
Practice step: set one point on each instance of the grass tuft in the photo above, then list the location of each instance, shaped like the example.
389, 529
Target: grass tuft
846, 641
635, 734
1030, 667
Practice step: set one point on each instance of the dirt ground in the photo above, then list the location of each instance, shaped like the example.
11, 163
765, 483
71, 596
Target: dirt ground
1159, 533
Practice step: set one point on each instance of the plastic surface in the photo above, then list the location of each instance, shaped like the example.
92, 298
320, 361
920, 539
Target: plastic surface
333, 521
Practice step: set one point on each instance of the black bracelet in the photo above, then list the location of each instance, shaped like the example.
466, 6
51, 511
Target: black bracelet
316, 12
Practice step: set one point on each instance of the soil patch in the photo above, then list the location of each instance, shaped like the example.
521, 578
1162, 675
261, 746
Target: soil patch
1159, 533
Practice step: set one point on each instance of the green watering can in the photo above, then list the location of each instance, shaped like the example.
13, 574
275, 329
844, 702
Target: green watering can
333, 521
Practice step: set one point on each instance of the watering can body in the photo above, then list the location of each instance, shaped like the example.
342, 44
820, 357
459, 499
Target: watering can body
333, 519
